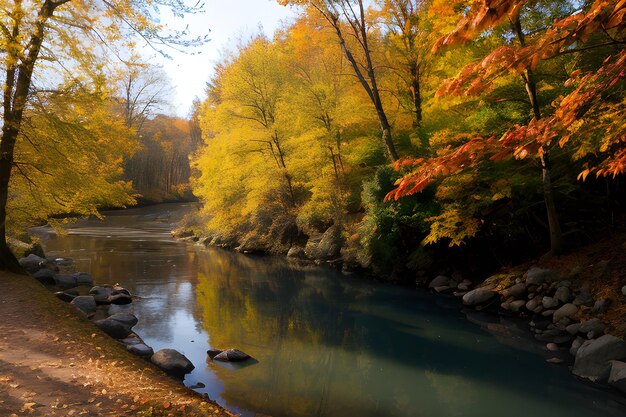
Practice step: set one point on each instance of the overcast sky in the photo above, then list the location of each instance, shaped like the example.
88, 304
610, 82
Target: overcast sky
228, 21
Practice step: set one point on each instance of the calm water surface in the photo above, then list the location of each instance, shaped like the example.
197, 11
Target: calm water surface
326, 345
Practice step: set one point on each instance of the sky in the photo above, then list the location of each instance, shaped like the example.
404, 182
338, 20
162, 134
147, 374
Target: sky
228, 21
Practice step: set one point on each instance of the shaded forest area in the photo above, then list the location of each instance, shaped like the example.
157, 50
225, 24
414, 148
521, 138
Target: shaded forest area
426, 136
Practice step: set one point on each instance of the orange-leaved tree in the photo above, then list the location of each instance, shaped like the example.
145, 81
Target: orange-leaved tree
588, 116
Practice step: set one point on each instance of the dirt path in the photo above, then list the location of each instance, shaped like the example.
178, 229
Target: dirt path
53, 362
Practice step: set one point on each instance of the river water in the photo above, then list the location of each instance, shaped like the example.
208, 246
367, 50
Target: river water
326, 345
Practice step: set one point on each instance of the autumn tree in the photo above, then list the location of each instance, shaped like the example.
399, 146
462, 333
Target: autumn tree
61, 28
350, 21
589, 91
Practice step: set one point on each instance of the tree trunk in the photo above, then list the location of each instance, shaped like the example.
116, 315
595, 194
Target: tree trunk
8, 262
416, 94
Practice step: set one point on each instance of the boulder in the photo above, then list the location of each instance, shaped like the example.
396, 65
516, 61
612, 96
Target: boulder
231, 355
576, 344
113, 328
517, 305
101, 294
22, 249
119, 298
516, 290
594, 325
567, 310
65, 281
537, 276
594, 356
329, 246
172, 362
549, 302
127, 319
617, 376
86, 304
478, 296
439, 281
132, 340
83, 278
563, 294
32, 263
140, 349
45, 276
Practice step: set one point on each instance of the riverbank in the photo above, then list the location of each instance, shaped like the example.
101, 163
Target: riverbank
54, 362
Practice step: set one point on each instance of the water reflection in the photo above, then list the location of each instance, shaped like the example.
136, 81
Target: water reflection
326, 345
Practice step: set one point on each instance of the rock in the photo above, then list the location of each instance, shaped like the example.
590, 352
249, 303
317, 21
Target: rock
119, 298
32, 263
439, 281
441, 289
101, 294
329, 246
549, 302
22, 249
624, 290
594, 325
464, 285
172, 362
197, 385
132, 340
584, 298
296, 252
478, 296
552, 347
213, 352
594, 356
601, 306
576, 344
140, 349
517, 305
113, 328
547, 313
115, 309
573, 328
64, 296
506, 305
65, 281
127, 319
231, 355
45, 276
555, 360
617, 376
83, 278
567, 310
563, 294
516, 290
85, 303
537, 276
532, 305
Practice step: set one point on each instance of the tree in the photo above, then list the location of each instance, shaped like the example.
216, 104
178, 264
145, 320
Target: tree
598, 27
27, 28
349, 20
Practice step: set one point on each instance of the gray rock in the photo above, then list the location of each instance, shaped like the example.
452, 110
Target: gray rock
552, 347
594, 356
45, 276
567, 310
120, 298
547, 313
172, 362
537, 276
65, 281
83, 278
478, 296
563, 294
573, 328
32, 263
584, 298
101, 294
85, 303
441, 289
576, 344
439, 281
231, 355
465, 285
141, 349
549, 302
592, 325
532, 305
115, 309
127, 319
601, 306
132, 340
516, 290
617, 377
113, 328
517, 305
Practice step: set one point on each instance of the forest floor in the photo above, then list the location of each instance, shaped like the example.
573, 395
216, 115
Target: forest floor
53, 362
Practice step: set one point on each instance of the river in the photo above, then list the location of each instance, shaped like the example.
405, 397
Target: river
327, 345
